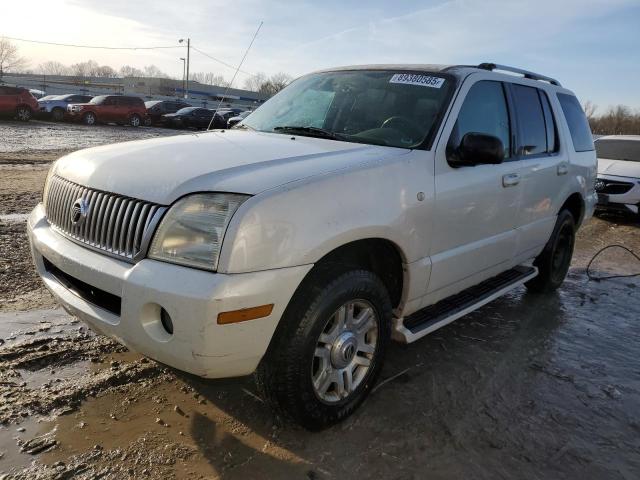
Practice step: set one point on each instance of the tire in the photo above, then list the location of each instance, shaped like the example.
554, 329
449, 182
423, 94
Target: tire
89, 118
23, 113
554, 261
147, 121
57, 114
305, 373
135, 120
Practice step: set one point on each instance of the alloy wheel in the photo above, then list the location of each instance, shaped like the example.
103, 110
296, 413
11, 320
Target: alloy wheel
344, 351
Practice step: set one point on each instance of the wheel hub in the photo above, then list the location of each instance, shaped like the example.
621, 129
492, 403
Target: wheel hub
343, 349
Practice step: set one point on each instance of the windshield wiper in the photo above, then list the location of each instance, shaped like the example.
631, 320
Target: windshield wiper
309, 131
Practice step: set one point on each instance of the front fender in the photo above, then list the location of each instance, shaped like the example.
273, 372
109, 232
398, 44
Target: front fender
299, 223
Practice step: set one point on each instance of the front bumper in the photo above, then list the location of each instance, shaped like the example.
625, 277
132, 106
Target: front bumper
193, 299
627, 202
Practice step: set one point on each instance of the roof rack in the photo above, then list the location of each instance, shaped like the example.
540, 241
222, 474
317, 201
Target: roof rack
524, 73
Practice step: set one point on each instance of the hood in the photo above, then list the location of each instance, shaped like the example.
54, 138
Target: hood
620, 168
161, 170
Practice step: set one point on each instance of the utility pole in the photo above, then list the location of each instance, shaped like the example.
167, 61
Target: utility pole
183, 70
187, 76
186, 95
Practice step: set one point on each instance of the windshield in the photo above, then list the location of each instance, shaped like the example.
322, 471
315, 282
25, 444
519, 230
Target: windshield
98, 100
618, 149
380, 107
152, 103
50, 97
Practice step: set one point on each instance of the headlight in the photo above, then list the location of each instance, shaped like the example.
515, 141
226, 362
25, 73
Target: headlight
191, 231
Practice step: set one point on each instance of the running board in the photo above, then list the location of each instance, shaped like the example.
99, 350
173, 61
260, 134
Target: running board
424, 321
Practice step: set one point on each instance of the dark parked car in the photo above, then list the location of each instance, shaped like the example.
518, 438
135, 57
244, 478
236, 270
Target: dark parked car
238, 118
189, 117
156, 109
17, 102
110, 108
56, 107
223, 115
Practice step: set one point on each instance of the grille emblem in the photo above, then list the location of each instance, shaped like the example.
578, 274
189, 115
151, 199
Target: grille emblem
79, 211
599, 185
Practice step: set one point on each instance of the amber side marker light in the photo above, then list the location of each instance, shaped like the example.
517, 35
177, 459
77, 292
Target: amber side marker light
245, 314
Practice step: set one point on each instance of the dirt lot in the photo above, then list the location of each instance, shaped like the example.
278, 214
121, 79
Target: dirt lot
531, 387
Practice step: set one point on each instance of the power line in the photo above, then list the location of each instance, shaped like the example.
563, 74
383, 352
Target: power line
221, 61
100, 47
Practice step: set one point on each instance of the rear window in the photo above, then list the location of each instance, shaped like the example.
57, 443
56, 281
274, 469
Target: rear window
577, 121
10, 91
618, 149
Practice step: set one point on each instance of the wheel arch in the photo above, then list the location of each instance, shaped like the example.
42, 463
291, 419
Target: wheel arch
576, 206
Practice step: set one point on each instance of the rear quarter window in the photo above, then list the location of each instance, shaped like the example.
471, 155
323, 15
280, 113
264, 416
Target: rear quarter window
577, 122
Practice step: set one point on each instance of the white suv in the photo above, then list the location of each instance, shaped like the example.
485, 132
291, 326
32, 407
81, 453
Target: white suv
359, 204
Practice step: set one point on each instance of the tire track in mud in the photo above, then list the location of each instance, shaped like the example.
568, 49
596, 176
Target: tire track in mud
42, 356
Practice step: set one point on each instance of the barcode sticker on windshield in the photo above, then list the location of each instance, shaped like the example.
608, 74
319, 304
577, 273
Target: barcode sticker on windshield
421, 80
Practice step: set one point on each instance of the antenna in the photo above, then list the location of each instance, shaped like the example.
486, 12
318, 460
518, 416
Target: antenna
234, 76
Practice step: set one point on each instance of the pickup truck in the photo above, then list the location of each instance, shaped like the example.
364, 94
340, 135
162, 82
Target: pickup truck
357, 206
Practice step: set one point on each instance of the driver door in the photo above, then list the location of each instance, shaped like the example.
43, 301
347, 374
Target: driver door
476, 207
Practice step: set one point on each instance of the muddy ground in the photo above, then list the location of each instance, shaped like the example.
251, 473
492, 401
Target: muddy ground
531, 387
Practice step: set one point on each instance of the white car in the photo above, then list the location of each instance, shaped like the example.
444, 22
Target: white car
618, 184
357, 205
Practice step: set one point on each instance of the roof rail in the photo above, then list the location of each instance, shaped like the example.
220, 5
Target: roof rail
524, 73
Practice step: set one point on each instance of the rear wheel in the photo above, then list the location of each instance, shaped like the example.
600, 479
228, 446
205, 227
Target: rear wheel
329, 349
57, 114
147, 121
135, 120
23, 114
554, 261
89, 118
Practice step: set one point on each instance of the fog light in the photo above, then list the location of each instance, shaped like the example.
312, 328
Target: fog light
165, 318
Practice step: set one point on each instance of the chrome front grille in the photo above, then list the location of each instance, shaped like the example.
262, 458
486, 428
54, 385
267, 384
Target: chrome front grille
118, 225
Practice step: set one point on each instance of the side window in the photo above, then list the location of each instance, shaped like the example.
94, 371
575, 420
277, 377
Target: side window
577, 121
109, 101
533, 132
484, 111
550, 123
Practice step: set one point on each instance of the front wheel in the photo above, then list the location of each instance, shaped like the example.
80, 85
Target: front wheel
554, 261
23, 114
329, 349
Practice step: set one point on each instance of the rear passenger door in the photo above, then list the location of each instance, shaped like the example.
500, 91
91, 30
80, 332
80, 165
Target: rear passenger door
544, 167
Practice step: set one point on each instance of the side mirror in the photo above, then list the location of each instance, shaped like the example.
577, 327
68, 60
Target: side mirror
477, 149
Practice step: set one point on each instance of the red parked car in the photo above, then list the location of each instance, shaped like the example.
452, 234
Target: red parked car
119, 109
17, 102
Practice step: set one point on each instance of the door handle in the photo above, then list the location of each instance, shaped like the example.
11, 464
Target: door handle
563, 169
510, 180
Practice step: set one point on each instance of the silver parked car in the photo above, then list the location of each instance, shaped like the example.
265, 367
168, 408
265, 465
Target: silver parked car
618, 183
57, 106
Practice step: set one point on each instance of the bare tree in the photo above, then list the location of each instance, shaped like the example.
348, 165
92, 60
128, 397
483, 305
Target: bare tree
128, 71
9, 57
105, 71
154, 72
589, 108
53, 68
209, 78
618, 120
254, 82
275, 83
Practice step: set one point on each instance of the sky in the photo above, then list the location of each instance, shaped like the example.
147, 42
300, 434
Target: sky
591, 46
